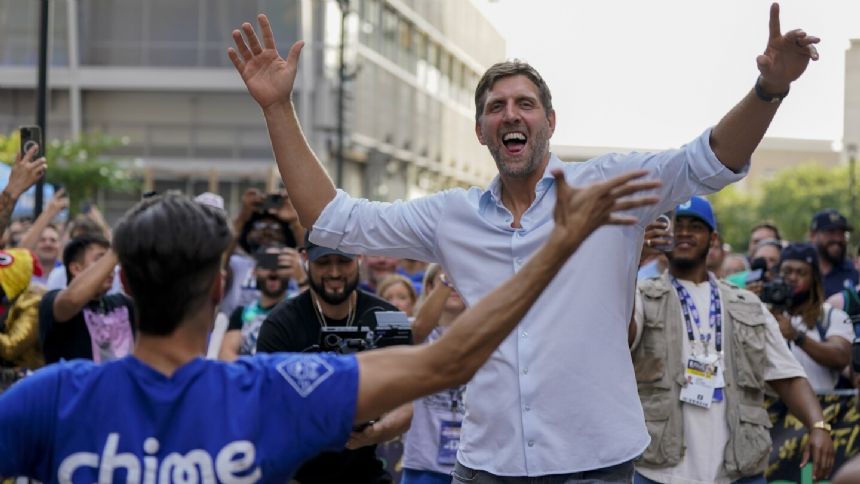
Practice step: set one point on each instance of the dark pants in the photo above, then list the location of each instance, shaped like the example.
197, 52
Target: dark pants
614, 474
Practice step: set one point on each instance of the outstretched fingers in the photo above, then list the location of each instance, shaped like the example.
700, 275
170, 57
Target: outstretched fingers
266, 30
253, 41
295, 52
242, 47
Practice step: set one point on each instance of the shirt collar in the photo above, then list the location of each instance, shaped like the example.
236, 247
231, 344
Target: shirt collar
494, 189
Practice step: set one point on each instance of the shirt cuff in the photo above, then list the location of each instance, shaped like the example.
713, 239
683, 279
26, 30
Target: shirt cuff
707, 168
330, 227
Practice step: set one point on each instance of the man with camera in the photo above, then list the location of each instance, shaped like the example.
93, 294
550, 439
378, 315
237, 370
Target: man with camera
275, 268
820, 335
702, 352
333, 300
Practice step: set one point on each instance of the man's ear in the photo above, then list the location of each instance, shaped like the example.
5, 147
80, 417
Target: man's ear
550, 117
124, 280
479, 134
75, 268
217, 294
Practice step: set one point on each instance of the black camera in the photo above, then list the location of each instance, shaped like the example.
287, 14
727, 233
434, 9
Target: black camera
776, 292
392, 328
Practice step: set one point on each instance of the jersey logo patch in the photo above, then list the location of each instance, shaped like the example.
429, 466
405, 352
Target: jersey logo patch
305, 373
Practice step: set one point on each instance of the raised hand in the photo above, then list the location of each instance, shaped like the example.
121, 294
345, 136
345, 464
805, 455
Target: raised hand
581, 211
25, 172
268, 76
59, 201
786, 55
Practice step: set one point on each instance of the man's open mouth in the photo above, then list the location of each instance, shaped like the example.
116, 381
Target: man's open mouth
515, 142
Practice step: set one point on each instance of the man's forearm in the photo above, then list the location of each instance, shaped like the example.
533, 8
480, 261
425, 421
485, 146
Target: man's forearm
736, 136
429, 313
835, 355
83, 288
31, 238
304, 177
799, 398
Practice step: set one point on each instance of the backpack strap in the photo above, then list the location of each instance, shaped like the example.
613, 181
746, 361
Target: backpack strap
822, 327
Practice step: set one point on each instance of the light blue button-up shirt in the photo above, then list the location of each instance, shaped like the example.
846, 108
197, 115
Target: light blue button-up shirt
558, 396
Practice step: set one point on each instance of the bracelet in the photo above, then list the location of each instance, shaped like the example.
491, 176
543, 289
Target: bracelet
759, 92
799, 339
821, 424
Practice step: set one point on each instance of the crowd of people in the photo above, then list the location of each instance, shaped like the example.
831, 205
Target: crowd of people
537, 351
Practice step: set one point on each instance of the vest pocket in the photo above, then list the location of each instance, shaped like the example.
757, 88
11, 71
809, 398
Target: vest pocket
663, 449
752, 443
750, 358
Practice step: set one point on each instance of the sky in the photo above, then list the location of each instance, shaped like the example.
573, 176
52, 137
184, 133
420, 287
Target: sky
656, 73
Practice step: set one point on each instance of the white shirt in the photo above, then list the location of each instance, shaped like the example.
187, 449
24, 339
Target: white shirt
706, 431
558, 396
820, 377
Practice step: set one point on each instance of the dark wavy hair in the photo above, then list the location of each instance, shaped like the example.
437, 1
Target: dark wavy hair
170, 249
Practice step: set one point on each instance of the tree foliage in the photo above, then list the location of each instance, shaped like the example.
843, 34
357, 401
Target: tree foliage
789, 200
81, 166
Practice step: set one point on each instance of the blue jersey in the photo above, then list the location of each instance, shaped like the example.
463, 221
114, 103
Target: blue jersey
255, 420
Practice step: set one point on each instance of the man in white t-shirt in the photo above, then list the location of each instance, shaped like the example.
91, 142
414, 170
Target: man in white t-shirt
819, 335
702, 353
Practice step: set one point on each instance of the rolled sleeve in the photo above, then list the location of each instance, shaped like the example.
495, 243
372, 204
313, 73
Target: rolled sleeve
707, 169
396, 229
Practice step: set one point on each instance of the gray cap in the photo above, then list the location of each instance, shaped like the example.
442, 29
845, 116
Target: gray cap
316, 251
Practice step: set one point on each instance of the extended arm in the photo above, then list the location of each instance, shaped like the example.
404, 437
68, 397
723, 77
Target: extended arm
393, 376
83, 288
25, 173
834, 352
58, 202
429, 313
802, 403
269, 78
785, 58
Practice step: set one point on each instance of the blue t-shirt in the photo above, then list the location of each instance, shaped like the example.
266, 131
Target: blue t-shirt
255, 420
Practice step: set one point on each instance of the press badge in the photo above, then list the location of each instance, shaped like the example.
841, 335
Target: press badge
699, 387
449, 442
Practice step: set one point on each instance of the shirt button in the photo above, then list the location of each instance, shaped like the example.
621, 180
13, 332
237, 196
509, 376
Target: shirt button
531, 443
525, 371
528, 408
525, 334
520, 261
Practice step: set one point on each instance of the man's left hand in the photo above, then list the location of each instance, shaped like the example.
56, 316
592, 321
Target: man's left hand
786, 55
820, 448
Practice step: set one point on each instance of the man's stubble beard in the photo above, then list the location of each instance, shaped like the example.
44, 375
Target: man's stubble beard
540, 148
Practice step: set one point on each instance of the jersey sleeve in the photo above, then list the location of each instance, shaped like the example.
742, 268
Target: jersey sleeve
317, 395
840, 325
27, 417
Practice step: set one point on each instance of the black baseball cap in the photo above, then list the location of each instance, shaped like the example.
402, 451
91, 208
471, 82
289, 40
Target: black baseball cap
829, 219
316, 251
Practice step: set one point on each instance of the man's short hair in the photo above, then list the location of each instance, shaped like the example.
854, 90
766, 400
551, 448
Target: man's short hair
767, 225
170, 249
76, 250
501, 70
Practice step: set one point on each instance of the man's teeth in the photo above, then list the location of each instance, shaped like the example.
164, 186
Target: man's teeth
514, 137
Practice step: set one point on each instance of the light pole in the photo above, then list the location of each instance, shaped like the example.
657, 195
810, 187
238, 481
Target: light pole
41, 97
852, 195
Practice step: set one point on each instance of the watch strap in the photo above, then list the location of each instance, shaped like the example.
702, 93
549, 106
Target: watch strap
768, 98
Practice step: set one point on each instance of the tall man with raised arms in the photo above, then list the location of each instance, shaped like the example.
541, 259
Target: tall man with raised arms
558, 397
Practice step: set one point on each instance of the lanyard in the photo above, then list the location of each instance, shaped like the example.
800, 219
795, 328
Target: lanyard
691, 315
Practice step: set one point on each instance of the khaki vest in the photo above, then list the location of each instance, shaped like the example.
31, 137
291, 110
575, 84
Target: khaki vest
660, 376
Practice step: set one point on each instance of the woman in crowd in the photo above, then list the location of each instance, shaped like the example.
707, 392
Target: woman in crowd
819, 335
431, 443
398, 290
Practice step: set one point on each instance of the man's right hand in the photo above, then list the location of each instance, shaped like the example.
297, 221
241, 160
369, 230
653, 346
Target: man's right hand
268, 76
581, 211
58, 202
25, 172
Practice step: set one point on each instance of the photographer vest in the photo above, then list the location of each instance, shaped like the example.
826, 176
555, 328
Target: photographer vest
659, 373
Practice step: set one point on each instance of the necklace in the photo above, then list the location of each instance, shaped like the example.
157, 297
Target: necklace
321, 317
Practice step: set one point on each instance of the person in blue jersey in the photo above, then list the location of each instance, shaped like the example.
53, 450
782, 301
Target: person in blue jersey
165, 414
